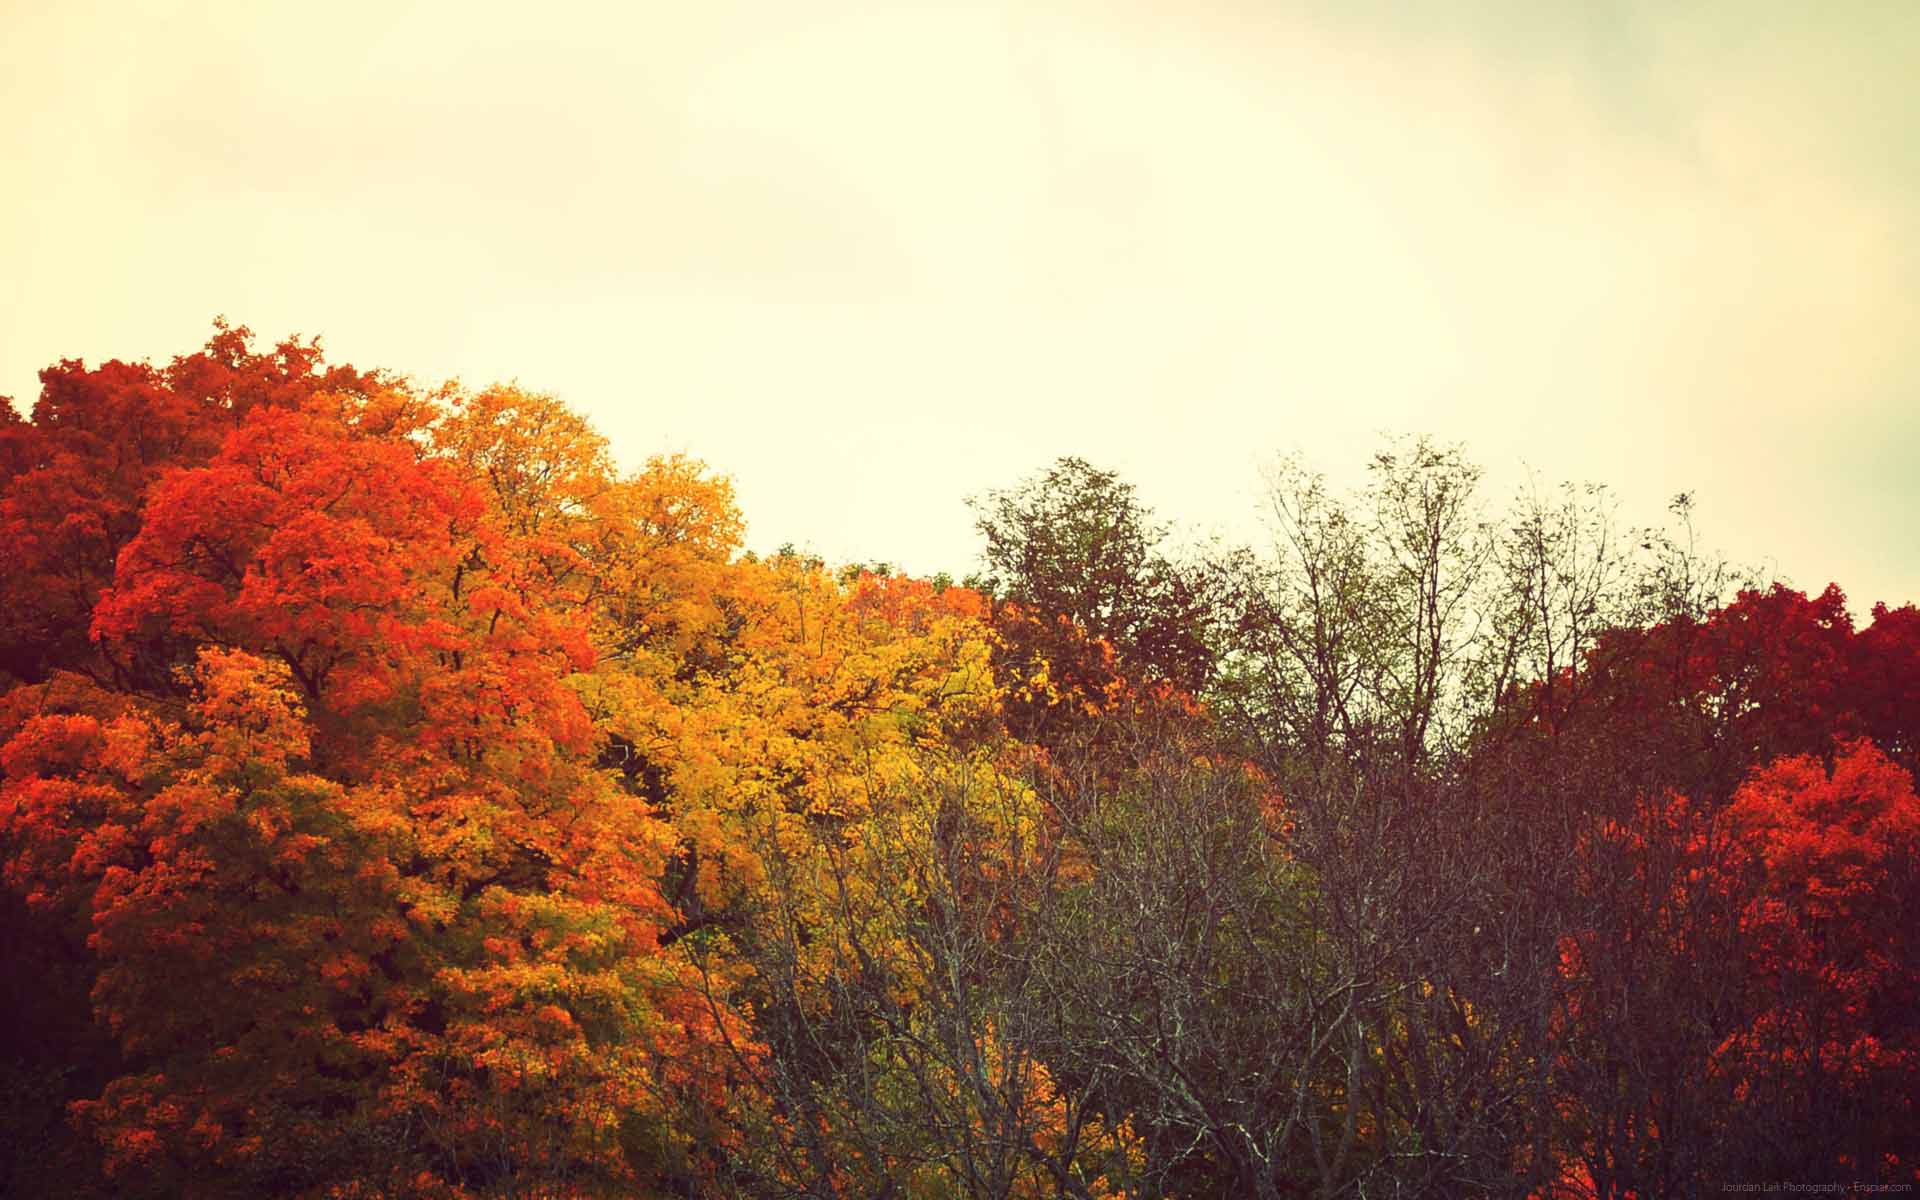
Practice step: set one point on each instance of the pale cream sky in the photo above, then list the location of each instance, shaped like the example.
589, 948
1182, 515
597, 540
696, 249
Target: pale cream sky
872, 258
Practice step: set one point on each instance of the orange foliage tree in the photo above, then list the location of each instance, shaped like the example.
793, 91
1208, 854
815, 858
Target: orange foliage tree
353, 785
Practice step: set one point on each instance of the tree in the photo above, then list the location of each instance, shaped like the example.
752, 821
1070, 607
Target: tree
1826, 1069
77, 477
1362, 625
450, 913
1088, 606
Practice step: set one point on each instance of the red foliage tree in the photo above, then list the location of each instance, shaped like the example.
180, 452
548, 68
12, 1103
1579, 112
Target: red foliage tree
1829, 1063
74, 482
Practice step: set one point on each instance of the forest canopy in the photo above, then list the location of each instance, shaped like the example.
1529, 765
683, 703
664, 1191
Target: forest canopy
399, 799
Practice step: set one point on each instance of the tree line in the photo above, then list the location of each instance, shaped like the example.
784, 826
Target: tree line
397, 799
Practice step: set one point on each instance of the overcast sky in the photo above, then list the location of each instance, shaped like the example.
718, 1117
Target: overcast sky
871, 258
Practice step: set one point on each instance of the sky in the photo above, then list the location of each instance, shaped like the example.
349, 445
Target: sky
869, 259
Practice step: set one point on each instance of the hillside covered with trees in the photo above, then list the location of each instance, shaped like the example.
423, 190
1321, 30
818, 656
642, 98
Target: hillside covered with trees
397, 799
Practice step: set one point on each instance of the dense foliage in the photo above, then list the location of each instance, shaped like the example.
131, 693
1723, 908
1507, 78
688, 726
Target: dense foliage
400, 800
